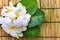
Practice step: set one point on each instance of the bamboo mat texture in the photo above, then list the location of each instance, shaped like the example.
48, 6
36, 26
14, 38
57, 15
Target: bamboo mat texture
50, 29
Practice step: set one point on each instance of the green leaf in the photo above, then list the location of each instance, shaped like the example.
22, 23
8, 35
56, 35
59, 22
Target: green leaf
37, 19
32, 32
31, 5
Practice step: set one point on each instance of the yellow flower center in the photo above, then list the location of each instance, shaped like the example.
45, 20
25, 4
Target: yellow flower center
12, 28
18, 13
9, 10
13, 19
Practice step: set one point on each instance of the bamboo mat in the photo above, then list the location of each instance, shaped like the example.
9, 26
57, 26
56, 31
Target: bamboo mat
50, 29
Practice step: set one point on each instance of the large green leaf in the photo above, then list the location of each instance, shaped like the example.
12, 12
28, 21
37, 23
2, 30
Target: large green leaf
37, 19
32, 32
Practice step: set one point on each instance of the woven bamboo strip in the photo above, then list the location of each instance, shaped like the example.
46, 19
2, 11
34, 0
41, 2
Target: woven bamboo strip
0, 3
51, 3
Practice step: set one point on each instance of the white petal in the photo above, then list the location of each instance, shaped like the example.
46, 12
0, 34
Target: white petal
11, 15
6, 29
21, 17
18, 30
3, 11
28, 17
4, 26
10, 4
1, 20
25, 22
14, 34
21, 34
7, 21
18, 23
13, 8
19, 5
23, 10
23, 28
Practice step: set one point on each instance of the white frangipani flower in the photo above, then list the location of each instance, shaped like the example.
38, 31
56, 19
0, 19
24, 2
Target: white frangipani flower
8, 12
12, 28
14, 20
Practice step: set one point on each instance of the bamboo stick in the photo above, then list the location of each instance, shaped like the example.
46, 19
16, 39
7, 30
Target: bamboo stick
38, 2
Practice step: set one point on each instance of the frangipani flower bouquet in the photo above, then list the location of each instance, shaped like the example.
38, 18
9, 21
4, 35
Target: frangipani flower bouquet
22, 19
